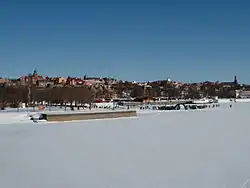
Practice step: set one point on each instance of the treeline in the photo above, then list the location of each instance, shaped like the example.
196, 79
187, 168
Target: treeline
13, 96
183, 93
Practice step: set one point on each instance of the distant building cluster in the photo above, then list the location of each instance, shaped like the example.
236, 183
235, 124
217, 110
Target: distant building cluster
113, 88
41, 81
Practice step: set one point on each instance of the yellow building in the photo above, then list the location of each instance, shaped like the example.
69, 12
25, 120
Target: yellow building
61, 80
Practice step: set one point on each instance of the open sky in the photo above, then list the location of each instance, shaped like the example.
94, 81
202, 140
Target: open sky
134, 40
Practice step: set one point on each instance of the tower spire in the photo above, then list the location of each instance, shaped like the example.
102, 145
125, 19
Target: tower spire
235, 80
35, 72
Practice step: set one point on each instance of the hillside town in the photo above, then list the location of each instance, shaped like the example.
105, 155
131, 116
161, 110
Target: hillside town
88, 89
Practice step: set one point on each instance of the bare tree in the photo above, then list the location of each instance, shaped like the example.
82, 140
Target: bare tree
137, 91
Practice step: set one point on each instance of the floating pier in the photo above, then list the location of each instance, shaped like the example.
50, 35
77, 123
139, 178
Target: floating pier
71, 116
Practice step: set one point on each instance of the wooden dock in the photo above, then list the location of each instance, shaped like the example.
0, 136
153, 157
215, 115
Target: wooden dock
88, 115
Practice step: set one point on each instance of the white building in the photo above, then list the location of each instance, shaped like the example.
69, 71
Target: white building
242, 94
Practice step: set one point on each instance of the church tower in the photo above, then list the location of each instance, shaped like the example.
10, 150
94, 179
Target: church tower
35, 72
235, 80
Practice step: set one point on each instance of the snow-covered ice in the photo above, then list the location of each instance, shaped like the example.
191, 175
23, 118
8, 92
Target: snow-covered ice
206, 148
14, 117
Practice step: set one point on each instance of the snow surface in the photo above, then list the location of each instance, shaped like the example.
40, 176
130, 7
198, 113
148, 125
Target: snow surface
14, 117
206, 148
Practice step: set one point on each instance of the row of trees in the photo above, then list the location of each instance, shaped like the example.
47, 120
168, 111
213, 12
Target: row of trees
181, 92
16, 95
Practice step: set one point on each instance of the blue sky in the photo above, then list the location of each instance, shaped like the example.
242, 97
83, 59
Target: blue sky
188, 41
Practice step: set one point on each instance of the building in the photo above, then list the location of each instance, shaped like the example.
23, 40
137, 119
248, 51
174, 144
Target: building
4, 80
60, 80
34, 78
242, 94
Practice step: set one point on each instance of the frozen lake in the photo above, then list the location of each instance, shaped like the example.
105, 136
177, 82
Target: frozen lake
208, 149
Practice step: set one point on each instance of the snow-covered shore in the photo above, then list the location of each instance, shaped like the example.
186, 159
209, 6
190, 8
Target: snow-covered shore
237, 100
10, 116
